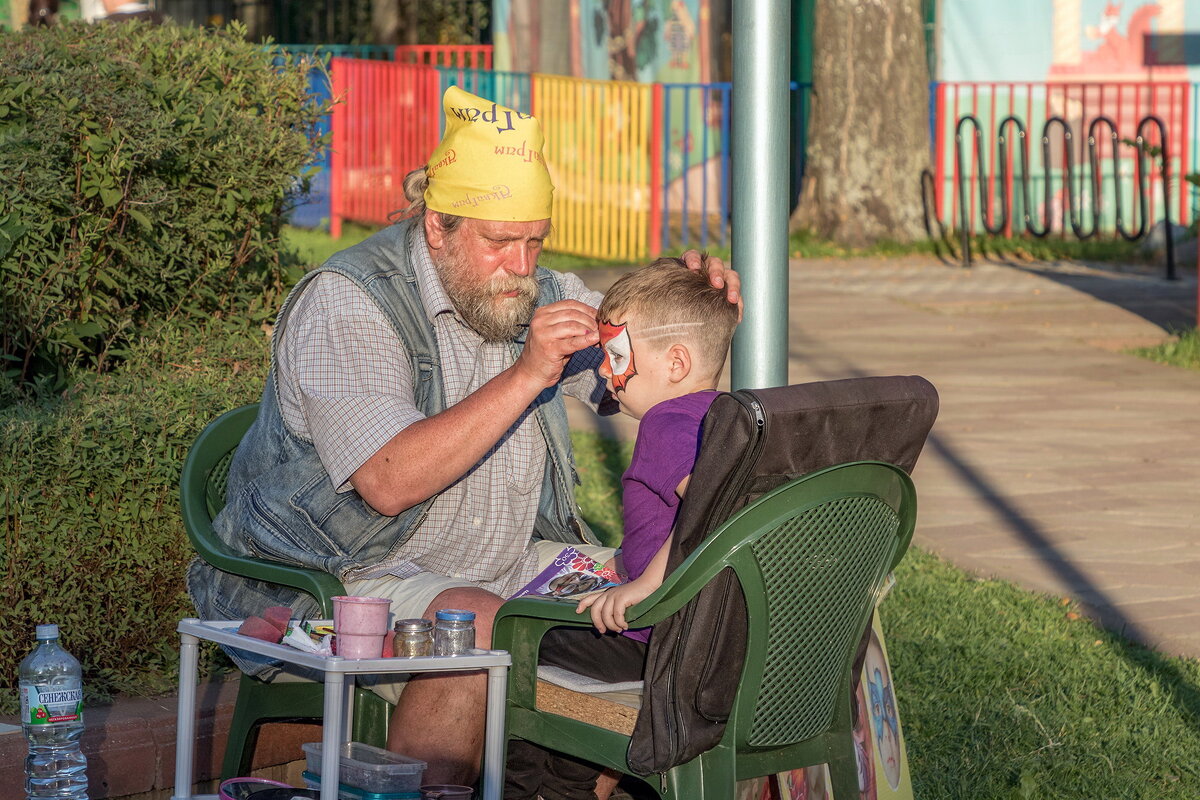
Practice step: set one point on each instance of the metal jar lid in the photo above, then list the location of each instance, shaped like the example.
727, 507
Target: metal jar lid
413, 625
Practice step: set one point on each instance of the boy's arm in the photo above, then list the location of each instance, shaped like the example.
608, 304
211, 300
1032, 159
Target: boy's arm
608, 607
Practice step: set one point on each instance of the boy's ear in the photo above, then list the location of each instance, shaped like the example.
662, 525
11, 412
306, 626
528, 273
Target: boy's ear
679, 362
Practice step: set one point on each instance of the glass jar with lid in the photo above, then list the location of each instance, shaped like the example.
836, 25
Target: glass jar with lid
414, 638
453, 632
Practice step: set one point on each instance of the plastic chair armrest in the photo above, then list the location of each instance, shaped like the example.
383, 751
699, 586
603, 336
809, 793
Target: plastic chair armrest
321, 585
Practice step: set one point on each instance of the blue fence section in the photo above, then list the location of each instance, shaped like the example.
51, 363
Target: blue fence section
312, 210
373, 52
696, 183
695, 158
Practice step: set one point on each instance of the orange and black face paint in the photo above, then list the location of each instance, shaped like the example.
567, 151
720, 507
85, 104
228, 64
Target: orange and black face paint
618, 353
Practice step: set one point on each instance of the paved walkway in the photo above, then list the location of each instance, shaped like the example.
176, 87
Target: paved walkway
1057, 462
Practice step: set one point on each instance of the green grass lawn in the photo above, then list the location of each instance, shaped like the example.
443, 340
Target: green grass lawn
1004, 694
1183, 351
312, 247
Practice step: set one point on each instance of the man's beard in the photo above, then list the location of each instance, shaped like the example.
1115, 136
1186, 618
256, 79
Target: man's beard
482, 306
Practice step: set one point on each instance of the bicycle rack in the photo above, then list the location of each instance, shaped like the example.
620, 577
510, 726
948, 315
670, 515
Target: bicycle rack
996, 220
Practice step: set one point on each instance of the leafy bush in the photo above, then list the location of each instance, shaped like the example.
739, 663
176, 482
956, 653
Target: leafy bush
89, 510
146, 169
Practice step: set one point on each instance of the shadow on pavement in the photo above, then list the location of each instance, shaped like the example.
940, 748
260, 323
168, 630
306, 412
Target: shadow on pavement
1171, 305
1101, 608
1106, 613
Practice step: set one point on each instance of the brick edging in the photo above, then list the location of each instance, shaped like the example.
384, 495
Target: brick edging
130, 744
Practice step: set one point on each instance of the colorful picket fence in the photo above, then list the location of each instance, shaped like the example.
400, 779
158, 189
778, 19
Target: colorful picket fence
512, 89
469, 56
1079, 105
598, 151
383, 128
639, 169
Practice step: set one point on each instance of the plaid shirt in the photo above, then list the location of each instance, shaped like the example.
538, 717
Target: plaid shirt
346, 385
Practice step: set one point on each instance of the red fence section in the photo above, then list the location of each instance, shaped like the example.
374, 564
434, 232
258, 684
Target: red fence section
385, 126
465, 56
1125, 103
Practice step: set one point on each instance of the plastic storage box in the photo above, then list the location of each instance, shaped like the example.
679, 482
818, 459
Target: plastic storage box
371, 769
350, 793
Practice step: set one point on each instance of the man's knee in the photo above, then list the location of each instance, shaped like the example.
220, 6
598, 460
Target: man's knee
483, 603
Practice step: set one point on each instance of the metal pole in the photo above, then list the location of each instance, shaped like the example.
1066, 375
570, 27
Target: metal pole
761, 60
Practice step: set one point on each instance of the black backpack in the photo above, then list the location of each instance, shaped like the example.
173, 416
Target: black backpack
754, 441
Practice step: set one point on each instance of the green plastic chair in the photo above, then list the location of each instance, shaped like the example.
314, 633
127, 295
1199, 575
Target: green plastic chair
202, 495
812, 557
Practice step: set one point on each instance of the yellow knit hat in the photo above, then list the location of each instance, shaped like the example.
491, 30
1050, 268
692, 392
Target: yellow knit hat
489, 164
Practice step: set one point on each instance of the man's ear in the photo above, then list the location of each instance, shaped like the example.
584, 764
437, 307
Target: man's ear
435, 234
679, 362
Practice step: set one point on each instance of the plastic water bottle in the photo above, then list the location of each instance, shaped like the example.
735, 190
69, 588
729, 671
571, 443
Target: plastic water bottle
52, 717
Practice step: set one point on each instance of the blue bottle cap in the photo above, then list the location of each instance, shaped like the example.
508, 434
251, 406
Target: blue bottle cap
456, 615
46, 632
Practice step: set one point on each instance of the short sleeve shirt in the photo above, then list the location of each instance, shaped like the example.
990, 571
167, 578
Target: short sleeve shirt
345, 384
664, 454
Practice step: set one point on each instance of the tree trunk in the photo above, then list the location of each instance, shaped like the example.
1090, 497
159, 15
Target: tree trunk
868, 136
394, 22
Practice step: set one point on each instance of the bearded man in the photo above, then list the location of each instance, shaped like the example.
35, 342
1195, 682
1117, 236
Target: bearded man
412, 437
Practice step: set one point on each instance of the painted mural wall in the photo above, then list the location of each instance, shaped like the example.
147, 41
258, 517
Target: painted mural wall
1081, 62
625, 40
1068, 40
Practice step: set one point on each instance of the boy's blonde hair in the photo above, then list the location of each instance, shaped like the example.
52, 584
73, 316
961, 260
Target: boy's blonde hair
666, 296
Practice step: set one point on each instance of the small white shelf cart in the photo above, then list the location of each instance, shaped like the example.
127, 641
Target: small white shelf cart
339, 694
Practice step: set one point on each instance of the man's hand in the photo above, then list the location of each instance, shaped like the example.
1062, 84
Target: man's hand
718, 275
608, 607
556, 332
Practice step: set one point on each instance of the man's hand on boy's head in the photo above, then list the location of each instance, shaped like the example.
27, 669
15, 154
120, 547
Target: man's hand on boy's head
719, 276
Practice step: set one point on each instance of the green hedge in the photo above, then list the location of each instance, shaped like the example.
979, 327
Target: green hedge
89, 507
145, 173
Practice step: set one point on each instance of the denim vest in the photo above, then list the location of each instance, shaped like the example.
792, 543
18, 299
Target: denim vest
281, 505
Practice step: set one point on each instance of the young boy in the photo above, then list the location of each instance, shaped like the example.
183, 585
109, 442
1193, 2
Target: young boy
665, 333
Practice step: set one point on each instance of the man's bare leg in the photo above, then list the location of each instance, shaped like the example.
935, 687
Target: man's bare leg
606, 783
440, 717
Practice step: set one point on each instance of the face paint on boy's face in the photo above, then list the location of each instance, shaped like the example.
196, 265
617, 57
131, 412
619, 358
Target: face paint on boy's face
618, 353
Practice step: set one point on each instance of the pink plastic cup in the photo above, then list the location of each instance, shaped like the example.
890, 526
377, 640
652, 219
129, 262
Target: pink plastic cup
358, 645
360, 624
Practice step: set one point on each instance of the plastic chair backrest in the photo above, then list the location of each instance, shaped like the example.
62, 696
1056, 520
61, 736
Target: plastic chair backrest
812, 557
202, 483
202, 496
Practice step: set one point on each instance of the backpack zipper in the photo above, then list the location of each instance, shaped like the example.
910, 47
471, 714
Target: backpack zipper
747, 461
754, 407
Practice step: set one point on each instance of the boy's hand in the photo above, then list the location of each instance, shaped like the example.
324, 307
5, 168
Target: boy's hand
608, 607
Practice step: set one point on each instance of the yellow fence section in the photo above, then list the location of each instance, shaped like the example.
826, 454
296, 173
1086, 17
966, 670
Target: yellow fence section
598, 136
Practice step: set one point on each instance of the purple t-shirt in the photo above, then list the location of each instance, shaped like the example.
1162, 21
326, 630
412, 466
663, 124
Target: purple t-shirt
665, 452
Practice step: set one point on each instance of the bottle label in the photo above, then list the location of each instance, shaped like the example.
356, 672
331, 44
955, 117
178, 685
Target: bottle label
51, 705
